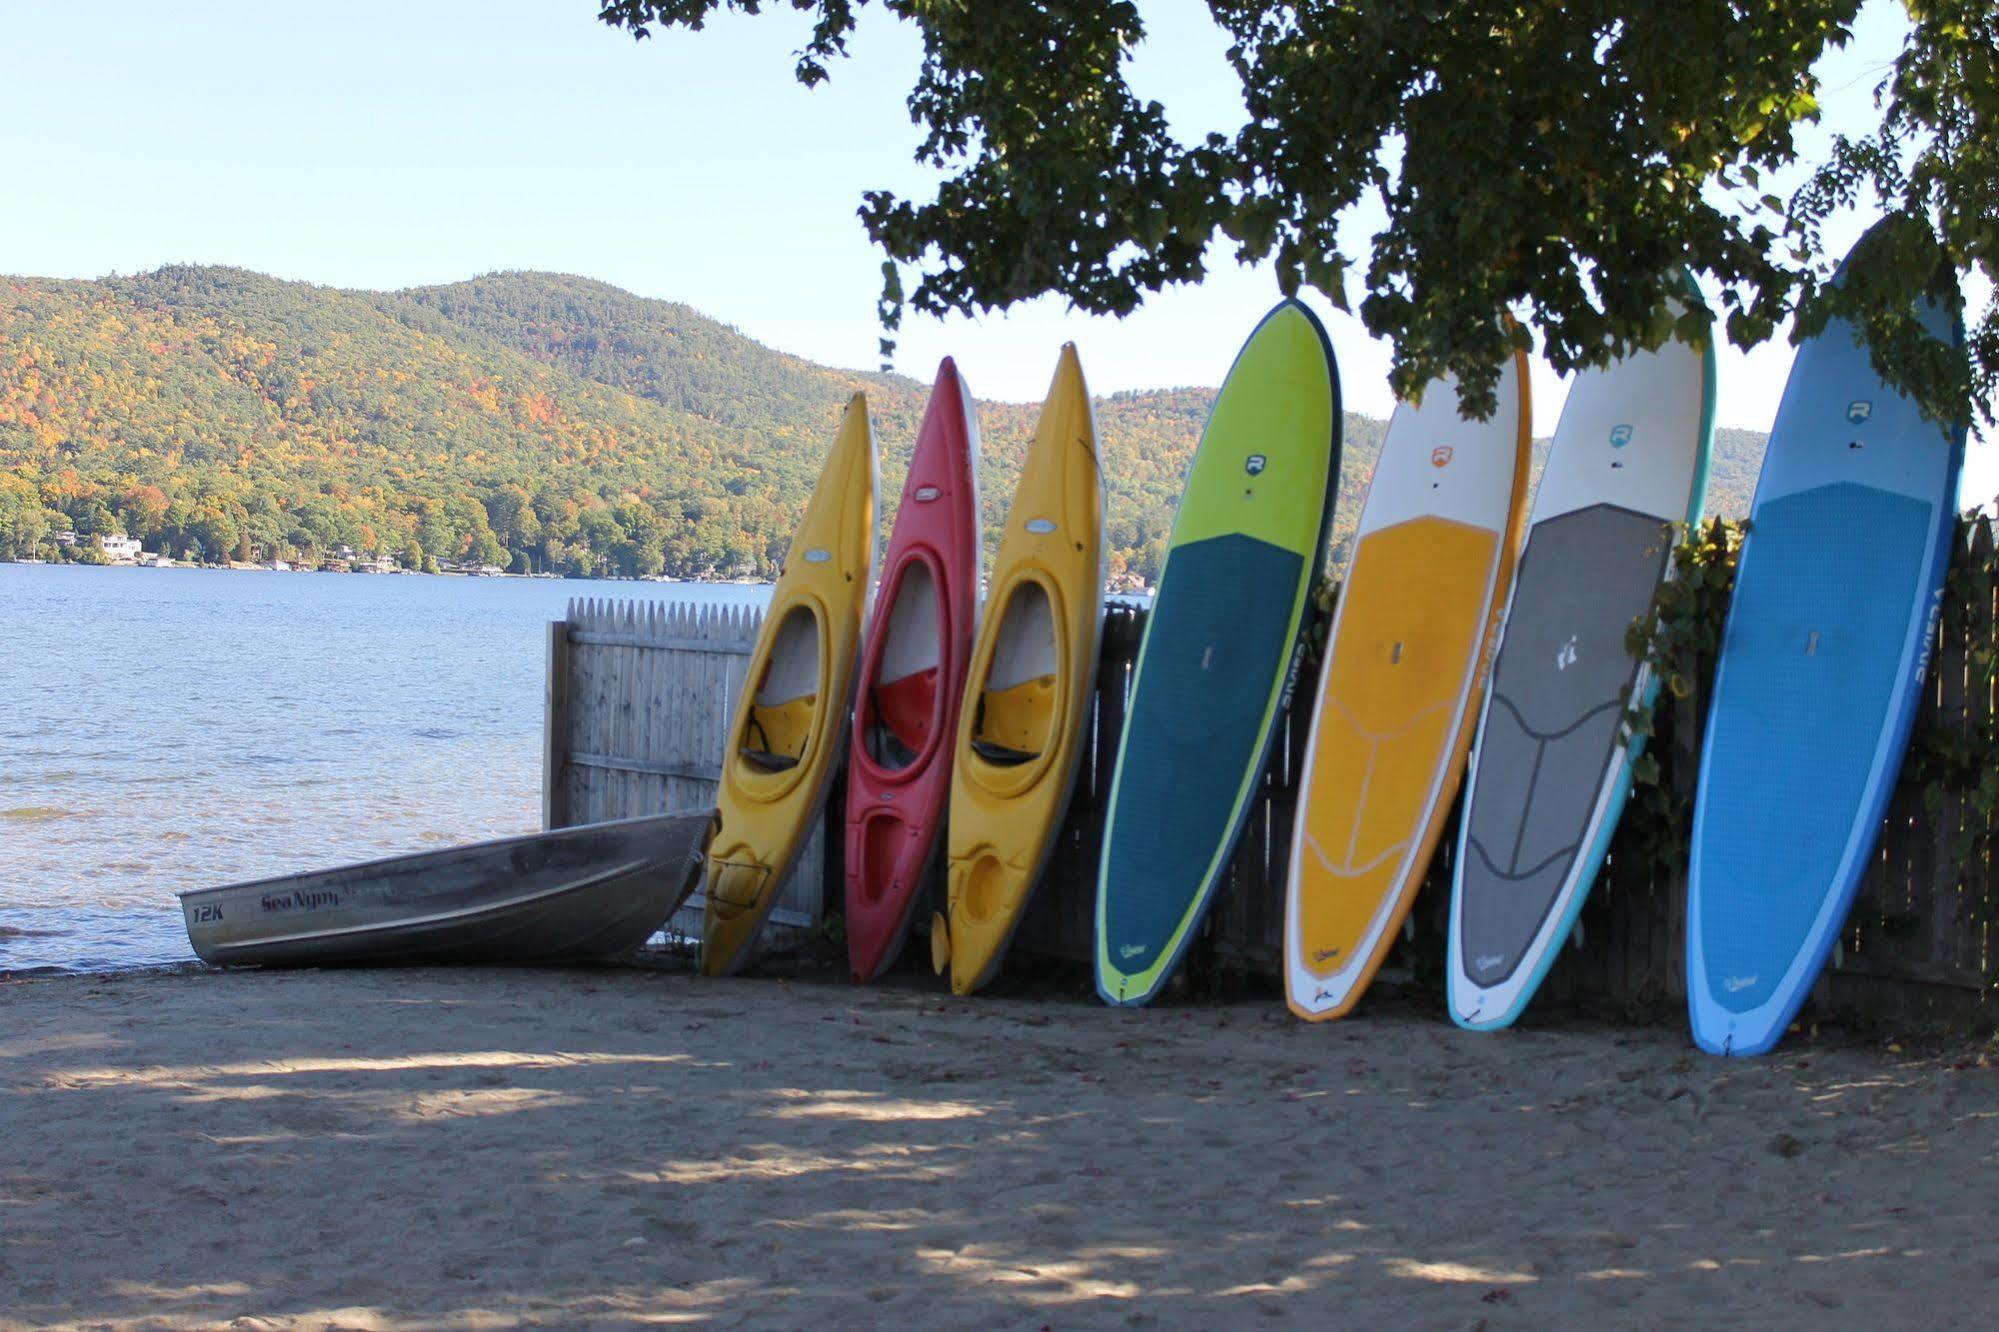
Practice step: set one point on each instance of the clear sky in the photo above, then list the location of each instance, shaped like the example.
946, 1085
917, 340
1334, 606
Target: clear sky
384, 143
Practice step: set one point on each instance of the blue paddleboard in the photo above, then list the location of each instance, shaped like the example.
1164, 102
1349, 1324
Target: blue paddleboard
1821, 670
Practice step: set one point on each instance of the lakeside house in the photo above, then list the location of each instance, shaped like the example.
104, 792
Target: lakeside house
1125, 583
117, 548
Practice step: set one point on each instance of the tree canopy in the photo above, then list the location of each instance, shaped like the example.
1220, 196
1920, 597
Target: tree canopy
1560, 161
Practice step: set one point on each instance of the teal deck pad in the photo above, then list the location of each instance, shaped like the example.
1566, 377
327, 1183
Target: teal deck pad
1194, 729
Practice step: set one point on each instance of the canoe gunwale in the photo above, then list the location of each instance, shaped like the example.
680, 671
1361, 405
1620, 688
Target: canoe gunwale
385, 863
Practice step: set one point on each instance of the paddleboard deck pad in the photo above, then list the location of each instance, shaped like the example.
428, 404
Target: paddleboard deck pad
1220, 652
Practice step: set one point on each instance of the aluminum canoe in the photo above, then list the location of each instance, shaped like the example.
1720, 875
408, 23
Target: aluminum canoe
573, 894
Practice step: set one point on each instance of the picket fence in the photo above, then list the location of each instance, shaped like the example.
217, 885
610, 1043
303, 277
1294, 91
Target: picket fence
639, 703
637, 710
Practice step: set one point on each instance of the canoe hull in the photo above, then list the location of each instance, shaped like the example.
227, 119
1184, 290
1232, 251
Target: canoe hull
574, 894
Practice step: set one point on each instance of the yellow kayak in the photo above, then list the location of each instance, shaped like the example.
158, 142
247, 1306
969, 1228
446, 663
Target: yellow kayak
786, 737
1027, 697
1405, 670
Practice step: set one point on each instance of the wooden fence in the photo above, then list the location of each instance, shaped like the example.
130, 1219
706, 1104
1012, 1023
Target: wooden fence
1918, 944
638, 705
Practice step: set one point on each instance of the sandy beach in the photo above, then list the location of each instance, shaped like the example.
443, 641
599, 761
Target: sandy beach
430, 1149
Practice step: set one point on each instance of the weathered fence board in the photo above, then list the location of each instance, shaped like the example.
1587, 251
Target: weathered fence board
639, 700
1061, 916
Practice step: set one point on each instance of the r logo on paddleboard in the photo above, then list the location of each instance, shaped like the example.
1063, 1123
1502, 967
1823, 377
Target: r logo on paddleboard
1620, 435
1565, 656
1859, 410
1255, 463
1488, 961
1130, 951
1441, 455
1737, 984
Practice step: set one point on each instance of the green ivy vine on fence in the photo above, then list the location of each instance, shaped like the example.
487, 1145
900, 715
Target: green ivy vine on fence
1679, 638
1961, 762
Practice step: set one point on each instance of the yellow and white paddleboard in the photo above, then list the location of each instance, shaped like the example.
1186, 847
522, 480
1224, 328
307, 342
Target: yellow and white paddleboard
790, 725
1405, 670
1021, 729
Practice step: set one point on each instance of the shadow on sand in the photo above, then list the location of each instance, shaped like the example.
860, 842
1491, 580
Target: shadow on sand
445, 1149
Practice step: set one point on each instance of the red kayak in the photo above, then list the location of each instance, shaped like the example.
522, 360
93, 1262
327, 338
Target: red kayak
912, 673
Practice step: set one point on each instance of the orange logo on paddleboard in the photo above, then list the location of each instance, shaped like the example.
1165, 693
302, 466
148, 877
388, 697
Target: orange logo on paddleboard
1441, 456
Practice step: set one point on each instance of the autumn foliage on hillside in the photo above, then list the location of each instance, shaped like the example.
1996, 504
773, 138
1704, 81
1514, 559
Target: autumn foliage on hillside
531, 421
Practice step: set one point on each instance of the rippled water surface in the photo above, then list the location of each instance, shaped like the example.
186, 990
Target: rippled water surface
163, 729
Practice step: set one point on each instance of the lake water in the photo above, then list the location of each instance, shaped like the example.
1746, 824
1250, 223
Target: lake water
164, 729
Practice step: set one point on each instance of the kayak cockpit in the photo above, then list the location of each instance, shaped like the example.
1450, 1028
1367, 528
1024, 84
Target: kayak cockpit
777, 726
1014, 721
901, 710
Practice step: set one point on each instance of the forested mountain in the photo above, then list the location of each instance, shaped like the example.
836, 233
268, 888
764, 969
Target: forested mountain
531, 420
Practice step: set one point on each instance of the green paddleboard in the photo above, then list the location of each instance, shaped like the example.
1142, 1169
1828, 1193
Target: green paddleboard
1221, 649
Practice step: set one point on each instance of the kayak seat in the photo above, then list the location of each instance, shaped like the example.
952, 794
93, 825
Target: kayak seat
1001, 755
905, 706
887, 749
1013, 724
900, 714
775, 734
